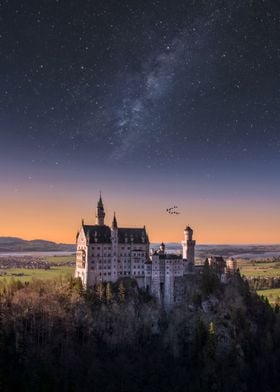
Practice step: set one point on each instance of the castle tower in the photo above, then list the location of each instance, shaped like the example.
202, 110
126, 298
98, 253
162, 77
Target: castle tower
114, 241
114, 223
162, 248
188, 246
100, 213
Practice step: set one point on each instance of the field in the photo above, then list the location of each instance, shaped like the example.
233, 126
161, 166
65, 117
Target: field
60, 259
273, 295
59, 266
265, 269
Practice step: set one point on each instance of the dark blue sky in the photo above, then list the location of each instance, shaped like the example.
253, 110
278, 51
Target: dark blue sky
184, 90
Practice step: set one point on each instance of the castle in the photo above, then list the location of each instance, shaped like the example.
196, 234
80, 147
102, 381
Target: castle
106, 254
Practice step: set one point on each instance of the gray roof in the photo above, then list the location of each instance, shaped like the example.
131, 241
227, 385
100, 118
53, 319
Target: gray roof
98, 233
102, 234
139, 235
216, 258
169, 256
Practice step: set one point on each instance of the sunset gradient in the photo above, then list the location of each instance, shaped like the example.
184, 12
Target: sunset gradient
152, 103
53, 211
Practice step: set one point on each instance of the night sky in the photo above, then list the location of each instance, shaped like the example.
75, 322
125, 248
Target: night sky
155, 103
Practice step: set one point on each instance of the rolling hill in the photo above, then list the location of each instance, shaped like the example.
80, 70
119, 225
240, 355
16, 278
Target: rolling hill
14, 244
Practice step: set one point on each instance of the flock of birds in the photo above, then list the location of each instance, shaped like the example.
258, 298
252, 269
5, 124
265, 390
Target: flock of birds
172, 210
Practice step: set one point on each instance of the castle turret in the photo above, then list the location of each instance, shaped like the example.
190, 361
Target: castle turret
100, 213
114, 223
114, 242
231, 264
162, 248
188, 247
188, 232
114, 230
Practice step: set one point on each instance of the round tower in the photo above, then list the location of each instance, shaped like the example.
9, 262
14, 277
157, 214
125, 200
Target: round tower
188, 233
188, 248
231, 264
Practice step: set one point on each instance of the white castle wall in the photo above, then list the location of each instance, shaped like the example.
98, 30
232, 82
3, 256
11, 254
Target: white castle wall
103, 262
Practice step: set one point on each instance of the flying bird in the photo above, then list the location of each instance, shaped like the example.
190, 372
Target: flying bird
172, 210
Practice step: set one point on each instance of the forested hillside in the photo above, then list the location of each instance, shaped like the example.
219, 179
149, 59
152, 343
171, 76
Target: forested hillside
54, 336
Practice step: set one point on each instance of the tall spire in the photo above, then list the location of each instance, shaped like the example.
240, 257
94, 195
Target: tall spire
114, 223
100, 213
100, 202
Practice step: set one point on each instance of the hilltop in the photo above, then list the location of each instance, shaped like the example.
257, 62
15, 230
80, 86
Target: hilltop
15, 244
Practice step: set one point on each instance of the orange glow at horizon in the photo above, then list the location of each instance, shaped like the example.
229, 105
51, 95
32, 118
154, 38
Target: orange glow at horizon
58, 218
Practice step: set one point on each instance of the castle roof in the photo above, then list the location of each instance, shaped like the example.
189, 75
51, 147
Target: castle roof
100, 202
216, 258
138, 235
97, 233
170, 256
114, 223
102, 234
217, 261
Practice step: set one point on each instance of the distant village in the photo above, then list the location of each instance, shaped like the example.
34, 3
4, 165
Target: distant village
27, 262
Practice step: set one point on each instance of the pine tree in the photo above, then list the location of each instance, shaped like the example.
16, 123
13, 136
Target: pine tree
211, 344
211, 328
109, 294
121, 291
268, 344
99, 291
77, 285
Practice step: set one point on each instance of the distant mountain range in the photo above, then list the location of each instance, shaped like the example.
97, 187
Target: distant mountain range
14, 244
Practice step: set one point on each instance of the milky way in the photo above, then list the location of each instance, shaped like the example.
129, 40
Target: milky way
161, 85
